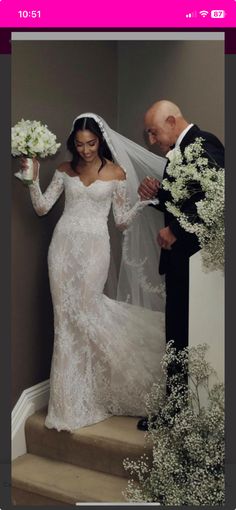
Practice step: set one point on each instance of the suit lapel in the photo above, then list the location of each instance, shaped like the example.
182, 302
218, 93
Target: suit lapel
190, 136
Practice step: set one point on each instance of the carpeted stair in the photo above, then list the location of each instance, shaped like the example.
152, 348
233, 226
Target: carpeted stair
62, 468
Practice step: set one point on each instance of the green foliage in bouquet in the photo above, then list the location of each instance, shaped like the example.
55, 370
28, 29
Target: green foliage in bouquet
187, 440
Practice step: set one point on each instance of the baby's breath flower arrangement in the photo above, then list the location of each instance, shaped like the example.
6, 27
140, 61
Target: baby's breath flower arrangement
31, 138
193, 176
187, 465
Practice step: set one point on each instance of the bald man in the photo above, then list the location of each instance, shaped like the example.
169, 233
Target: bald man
166, 126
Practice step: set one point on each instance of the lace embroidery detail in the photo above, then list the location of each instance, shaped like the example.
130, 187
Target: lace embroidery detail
106, 353
43, 202
124, 214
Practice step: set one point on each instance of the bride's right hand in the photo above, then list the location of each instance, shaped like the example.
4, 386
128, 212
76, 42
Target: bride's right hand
24, 166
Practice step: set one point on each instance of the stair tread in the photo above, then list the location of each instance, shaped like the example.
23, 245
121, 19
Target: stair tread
102, 446
115, 429
65, 482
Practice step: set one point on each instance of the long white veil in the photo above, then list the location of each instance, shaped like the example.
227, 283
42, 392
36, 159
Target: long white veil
138, 281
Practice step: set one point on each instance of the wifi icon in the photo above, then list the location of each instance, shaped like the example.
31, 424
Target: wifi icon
203, 13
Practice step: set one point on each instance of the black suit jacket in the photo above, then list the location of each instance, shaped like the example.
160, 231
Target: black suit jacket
186, 243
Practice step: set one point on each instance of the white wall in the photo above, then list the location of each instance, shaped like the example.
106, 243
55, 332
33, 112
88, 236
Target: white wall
206, 312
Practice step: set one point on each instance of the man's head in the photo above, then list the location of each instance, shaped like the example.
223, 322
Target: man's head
163, 123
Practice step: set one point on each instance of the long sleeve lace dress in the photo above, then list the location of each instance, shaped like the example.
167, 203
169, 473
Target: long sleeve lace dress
106, 353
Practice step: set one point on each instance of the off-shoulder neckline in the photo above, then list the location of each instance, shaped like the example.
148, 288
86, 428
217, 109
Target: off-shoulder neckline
91, 184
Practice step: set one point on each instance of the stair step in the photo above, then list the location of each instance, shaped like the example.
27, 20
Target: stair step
102, 446
45, 481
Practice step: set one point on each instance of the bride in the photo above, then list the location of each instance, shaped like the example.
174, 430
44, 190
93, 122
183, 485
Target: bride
106, 352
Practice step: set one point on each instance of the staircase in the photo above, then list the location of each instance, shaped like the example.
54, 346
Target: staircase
63, 468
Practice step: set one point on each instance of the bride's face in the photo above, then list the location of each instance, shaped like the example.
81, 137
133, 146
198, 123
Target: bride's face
87, 145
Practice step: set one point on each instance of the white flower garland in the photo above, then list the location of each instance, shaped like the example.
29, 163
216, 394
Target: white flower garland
186, 434
192, 173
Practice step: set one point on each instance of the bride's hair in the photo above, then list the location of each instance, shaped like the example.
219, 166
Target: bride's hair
82, 124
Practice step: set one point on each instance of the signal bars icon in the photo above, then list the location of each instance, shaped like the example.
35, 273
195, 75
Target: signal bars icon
191, 15
194, 14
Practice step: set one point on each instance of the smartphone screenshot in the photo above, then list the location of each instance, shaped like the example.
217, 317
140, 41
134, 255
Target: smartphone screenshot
117, 376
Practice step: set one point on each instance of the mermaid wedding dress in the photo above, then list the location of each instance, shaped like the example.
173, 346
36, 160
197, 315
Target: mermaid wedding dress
106, 353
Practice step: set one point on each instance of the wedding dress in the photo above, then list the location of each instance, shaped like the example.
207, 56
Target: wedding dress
106, 352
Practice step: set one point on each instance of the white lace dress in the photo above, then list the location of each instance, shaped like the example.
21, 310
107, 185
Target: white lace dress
106, 353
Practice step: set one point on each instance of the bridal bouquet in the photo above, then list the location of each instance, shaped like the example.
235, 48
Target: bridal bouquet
30, 138
199, 183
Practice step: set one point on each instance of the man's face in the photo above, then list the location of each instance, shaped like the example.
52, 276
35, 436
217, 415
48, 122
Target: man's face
159, 132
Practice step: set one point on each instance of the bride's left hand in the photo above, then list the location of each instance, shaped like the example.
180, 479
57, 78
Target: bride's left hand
24, 166
148, 188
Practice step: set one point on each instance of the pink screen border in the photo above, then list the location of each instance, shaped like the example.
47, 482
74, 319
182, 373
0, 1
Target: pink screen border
117, 14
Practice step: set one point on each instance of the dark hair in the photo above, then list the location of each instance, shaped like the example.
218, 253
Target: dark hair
91, 125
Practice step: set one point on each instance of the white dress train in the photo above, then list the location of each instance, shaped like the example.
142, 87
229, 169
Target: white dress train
106, 353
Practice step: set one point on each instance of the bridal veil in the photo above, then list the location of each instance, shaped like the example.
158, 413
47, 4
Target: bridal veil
138, 279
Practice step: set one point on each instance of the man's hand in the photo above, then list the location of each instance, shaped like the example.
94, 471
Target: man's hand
148, 188
166, 238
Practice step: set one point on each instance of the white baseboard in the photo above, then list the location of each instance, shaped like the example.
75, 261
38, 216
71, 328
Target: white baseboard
31, 400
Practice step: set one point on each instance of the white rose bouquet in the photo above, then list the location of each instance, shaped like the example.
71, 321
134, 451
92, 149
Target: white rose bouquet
30, 138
